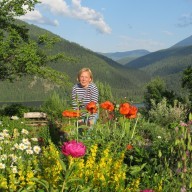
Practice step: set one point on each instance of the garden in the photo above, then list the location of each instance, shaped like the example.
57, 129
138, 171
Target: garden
123, 151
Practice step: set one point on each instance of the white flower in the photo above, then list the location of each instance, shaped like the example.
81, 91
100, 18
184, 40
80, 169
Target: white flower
1, 148
22, 146
13, 157
15, 133
159, 137
6, 141
16, 145
29, 151
5, 131
34, 139
36, 149
14, 169
26, 142
24, 131
3, 157
4, 134
2, 166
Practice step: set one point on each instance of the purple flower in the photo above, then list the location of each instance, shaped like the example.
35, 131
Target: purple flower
147, 190
73, 148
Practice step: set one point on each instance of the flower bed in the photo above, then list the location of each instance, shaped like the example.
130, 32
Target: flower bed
117, 154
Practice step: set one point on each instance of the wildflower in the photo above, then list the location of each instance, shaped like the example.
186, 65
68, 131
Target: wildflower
129, 147
22, 146
13, 157
91, 107
159, 137
36, 149
183, 189
29, 151
124, 108
16, 145
147, 190
70, 114
2, 166
107, 105
4, 134
14, 169
3, 157
15, 133
73, 148
183, 124
26, 142
132, 112
34, 139
24, 131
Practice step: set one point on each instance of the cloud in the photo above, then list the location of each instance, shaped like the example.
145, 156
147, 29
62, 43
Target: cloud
185, 20
167, 33
35, 16
75, 10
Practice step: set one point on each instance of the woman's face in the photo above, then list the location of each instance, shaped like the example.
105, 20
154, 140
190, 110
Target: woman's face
85, 79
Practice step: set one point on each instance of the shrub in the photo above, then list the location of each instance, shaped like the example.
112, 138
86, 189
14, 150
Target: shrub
15, 110
54, 106
164, 114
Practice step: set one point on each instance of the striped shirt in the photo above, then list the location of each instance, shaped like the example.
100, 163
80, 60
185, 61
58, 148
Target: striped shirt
82, 96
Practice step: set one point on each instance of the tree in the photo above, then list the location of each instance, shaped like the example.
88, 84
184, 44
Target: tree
19, 55
105, 93
154, 90
187, 80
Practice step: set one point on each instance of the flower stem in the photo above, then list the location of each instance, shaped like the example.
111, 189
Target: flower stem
77, 130
134, 129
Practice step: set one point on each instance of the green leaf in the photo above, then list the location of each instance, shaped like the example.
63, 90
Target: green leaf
136, 169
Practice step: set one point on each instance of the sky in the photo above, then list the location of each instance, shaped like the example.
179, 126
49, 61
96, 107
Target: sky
115, 25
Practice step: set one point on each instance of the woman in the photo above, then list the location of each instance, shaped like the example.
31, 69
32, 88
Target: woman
83, 93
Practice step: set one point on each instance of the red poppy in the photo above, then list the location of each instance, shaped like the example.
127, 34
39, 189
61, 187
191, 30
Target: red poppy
91, 107
76, 114
132, 112
70, 114
129, 147
124, 108
107, 105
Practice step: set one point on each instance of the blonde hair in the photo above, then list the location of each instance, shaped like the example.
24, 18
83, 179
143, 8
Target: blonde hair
85, 70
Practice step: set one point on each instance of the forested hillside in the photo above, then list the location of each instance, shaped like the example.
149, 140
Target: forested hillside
168, 64
124, 82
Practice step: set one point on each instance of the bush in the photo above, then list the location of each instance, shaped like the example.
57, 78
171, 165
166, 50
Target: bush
54, 106
164, 114
15, 110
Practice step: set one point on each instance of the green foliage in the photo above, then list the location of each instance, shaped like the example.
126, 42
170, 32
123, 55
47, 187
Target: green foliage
187, 81
164, 114
54, 106
105, 92
154, 90
123, 82
15, 110
121, 155
20, 55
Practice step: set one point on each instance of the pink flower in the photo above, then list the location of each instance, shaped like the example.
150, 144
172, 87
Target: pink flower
73, 148
147, 190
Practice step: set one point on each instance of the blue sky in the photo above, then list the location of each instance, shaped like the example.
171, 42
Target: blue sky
116, 25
